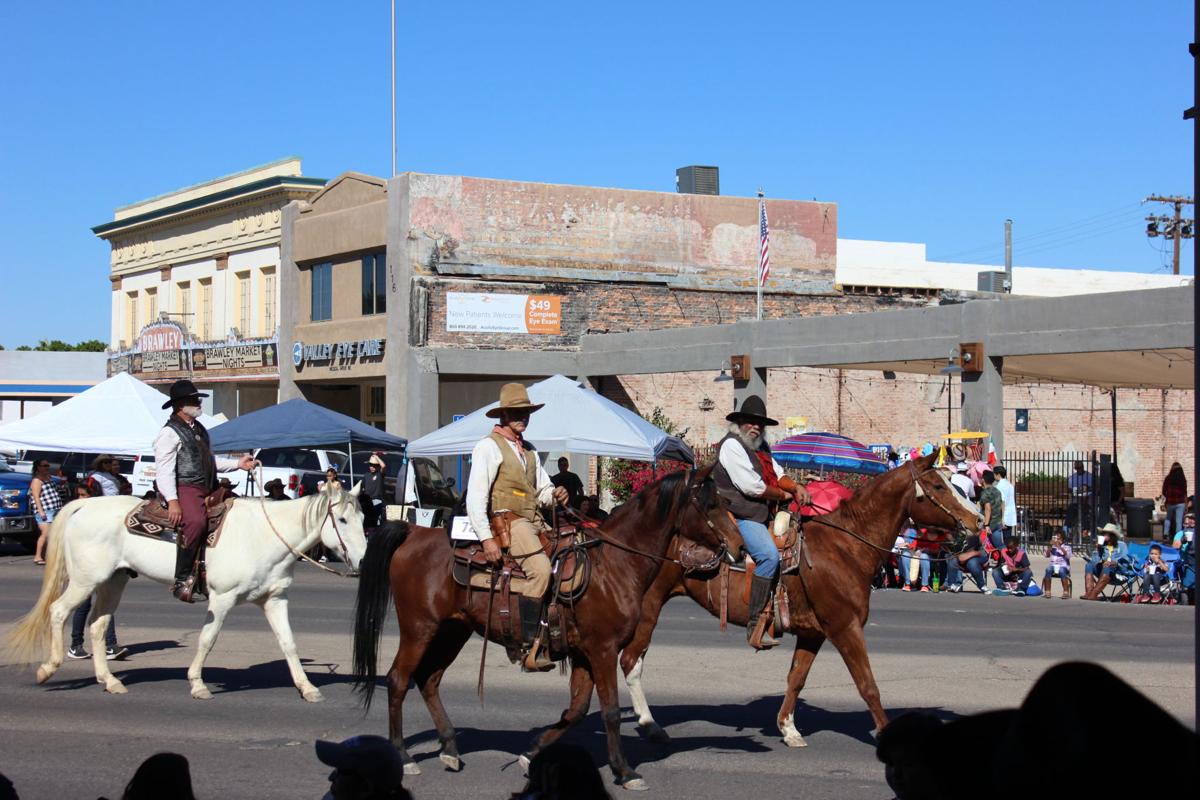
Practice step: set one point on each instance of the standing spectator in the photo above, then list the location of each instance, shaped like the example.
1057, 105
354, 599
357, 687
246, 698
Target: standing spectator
1079, 510
114, 469
1154, 574
991, 504
1174, 490
1008, 494
112, 650
371, 493
569, 481
46, 499
1059, 554
962, 481
1012, 568
274, 489
590, 508
100, 480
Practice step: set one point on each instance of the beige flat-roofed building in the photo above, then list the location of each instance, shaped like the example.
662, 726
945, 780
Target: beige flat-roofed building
195, 284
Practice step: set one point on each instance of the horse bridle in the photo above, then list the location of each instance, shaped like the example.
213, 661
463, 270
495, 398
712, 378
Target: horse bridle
920, 492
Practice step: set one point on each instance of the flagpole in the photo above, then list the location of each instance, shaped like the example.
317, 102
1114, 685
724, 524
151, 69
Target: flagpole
758, 280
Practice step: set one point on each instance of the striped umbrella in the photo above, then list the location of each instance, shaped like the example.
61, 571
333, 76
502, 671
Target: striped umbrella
827, 451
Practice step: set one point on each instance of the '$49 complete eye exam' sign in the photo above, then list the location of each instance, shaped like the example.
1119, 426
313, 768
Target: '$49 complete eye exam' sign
469, 312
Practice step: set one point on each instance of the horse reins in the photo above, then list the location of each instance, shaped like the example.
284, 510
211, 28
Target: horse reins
303, 557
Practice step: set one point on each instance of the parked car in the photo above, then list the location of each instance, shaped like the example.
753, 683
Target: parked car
16, 517
299, 468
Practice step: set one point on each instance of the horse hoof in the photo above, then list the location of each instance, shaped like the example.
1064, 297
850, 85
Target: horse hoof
655, 733
453, 763
635, 785
312, 694
201, 694
43, 674
115, 687
795, 741
411, 768
523, 763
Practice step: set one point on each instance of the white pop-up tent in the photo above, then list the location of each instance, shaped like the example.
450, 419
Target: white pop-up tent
575, 420
120, 416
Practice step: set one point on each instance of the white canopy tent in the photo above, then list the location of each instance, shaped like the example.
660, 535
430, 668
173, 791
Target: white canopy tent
120, 416
575, 420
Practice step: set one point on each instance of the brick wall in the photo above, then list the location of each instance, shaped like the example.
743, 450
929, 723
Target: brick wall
1154, 427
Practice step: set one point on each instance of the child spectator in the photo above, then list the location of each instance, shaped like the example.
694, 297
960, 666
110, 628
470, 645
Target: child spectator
1059, 554
1154, 574
914, 562
1013, 567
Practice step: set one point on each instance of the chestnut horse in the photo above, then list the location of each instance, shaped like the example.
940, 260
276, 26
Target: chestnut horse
437, 616
830, 595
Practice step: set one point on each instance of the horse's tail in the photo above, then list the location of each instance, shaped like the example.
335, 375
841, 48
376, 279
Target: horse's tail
370, 608
26, 641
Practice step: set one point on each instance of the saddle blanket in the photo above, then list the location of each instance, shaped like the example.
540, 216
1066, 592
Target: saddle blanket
149, 519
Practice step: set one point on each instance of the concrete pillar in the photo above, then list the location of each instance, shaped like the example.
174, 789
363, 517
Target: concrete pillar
983, 401
289, 301
411, 376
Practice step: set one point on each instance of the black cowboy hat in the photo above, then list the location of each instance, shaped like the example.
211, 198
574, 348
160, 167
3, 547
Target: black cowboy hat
182, 390
753, 410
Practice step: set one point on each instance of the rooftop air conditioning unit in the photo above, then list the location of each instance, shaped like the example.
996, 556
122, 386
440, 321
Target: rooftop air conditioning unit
698, 180
992, 282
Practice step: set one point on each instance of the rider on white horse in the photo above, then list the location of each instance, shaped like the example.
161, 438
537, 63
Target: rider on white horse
186, 475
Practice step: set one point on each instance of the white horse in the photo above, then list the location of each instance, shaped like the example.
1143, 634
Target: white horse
90, 550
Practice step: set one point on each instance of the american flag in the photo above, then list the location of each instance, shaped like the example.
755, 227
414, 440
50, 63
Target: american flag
764, 246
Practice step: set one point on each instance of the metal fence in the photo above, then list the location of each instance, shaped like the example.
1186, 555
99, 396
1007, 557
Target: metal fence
1049, 498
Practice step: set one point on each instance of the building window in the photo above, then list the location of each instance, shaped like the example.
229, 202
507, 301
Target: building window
185, 306
268, 301
243, 280
131, 314
322, 292
374, 283
151, 305
377, 401
206, 309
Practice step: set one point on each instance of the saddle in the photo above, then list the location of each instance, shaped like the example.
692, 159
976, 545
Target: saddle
149, 518
569, 565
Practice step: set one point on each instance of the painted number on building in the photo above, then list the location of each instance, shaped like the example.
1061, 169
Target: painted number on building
471, 312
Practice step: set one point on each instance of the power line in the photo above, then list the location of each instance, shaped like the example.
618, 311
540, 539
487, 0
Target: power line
1174, 228
1101, 218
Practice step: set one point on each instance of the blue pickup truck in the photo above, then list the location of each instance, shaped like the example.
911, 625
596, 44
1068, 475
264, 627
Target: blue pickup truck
16, 516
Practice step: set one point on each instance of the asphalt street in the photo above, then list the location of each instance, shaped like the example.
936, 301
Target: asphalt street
949, 654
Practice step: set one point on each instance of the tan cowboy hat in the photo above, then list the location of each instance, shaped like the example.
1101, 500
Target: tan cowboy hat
513, 397
1111, 527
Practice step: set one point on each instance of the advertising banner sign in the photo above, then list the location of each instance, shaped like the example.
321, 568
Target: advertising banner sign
471, 312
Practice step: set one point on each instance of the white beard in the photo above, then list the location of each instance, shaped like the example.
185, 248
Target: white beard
191, 412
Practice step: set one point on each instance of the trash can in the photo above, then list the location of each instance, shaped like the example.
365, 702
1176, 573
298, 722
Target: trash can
1138, 513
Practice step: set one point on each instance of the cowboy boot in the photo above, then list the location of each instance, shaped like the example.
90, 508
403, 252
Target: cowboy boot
1097, 588
185, 575
536, 653
757, 635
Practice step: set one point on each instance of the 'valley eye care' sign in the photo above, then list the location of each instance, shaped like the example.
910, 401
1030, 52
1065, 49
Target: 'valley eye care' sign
468, 312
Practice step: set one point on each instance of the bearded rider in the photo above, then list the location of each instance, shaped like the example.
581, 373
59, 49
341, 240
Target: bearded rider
186, 474
750, 480
506, 486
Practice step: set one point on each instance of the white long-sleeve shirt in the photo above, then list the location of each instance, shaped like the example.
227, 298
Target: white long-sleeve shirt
1009, 494
485, 463
736, 461
166, 448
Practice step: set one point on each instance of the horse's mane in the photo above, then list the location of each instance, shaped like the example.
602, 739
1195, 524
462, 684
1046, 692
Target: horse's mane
318, 505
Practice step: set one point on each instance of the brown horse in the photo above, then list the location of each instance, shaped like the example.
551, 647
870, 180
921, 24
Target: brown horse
437, 616
829, 596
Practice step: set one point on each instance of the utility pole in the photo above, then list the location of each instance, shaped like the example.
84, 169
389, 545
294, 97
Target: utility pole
1176, 227
1008, 272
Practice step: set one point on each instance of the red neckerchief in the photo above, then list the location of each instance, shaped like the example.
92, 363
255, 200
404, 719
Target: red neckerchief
768, 468
508, 433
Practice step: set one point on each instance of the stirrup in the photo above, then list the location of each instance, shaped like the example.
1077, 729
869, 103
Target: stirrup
536, 659
186, 591
759, 637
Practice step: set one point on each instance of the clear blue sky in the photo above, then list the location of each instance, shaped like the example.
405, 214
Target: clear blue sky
926, 122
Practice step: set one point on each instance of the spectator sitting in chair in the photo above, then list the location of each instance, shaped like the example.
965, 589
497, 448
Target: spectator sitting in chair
1185, 534
972, 559
1013, 567
1154, 575
1104, 564
1059, 554
910, 554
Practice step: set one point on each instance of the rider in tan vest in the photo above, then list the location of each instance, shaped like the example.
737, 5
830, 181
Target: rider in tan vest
506, 487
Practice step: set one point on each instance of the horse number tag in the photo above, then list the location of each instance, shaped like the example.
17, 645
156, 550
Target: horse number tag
461, 530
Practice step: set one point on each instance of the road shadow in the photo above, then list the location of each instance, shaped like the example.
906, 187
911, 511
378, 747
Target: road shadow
138, 648
221, 680
759, 716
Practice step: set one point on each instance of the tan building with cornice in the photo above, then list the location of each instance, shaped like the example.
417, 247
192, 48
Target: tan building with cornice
195, 284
